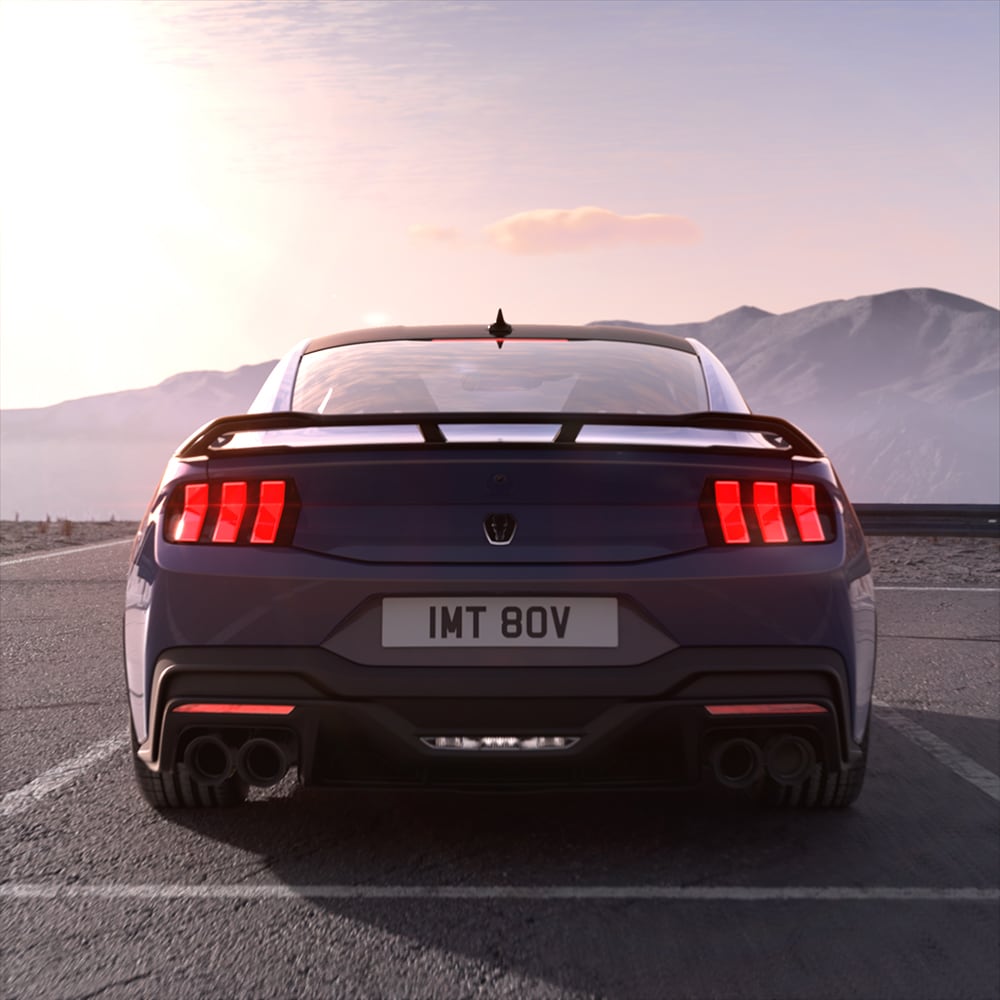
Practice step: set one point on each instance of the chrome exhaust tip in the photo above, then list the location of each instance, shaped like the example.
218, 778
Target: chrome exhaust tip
261, 762
789, 759
737, 762
209, 760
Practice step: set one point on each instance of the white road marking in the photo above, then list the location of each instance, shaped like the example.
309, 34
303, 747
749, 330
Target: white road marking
681, 893
947, 590
956, 761
22, 799
64, 552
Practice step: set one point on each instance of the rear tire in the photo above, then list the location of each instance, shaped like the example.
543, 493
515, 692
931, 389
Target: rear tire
176, 790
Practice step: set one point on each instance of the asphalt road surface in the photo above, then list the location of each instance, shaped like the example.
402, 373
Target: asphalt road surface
424, 895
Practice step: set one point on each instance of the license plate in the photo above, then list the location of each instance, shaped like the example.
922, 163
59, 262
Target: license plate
500, 621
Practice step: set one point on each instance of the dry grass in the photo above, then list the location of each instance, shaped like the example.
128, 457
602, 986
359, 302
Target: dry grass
20, 537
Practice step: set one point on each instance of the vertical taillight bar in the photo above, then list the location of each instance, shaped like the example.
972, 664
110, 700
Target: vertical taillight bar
767, 507
193, 516
232, 507
766, 512
233, 512
730, 510
269, 511
806, 515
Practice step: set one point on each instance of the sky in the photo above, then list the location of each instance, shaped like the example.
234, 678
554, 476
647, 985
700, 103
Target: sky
199, 184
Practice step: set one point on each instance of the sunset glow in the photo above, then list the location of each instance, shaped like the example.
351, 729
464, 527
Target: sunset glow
198, 185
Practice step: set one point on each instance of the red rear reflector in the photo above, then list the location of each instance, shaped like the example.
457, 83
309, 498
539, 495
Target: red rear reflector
806, 516
272, 505
231, 511
727, 503
195, 508
768, 510
789, 709
225, 709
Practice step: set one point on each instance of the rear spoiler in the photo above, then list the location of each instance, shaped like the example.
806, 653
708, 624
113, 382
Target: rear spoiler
780, 435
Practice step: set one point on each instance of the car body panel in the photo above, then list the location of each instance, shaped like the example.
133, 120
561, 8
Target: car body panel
606, 507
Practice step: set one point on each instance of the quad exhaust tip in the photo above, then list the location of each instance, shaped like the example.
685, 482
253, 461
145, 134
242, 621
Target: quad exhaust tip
259, 762
209, 760
740, 762
789, 759
737, 762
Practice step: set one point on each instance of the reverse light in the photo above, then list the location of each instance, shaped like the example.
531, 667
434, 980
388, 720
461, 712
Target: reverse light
516, 743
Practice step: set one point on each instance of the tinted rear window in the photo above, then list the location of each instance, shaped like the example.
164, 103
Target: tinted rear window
526, 376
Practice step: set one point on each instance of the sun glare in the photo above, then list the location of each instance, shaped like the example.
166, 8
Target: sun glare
89, 166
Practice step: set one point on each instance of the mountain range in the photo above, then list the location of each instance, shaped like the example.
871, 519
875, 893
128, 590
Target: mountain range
902, 389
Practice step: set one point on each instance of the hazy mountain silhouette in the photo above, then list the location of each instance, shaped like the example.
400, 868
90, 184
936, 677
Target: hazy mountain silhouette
902, 389
100, 456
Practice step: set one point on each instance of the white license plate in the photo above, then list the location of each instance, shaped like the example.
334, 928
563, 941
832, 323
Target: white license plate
500, 621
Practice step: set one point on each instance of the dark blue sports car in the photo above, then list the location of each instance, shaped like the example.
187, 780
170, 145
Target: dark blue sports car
502, 557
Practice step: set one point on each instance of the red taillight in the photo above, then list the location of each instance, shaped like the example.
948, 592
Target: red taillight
727, 503
193, 517
229, 709
231, 510
767, 507
797, 708
806, 515
766, 512
234, 512
272, 505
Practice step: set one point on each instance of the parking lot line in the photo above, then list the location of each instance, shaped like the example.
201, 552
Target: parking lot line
680, 893
956, 761
946, 590
22, 799
63, 552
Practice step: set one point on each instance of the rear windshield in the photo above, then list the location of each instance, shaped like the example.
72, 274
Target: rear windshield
525, 376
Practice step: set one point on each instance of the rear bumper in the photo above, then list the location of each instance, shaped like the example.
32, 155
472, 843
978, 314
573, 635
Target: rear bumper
631, 725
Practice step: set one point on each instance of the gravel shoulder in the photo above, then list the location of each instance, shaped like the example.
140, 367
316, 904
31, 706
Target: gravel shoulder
935, 562
897, 560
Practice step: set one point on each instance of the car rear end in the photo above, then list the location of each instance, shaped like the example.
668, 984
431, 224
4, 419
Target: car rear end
521, 598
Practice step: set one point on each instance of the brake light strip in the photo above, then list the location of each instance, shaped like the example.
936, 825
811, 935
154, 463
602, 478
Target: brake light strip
233, 709
792, 708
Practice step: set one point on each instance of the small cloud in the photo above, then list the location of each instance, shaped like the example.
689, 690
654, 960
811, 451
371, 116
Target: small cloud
558, 230
434, 234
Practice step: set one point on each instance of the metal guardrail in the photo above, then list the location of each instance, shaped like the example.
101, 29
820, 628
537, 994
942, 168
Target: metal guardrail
964, 520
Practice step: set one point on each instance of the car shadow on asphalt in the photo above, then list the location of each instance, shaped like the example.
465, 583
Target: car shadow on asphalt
915, 824
427, 837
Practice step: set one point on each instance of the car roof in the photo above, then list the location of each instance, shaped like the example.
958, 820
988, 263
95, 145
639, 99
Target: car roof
480, 332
